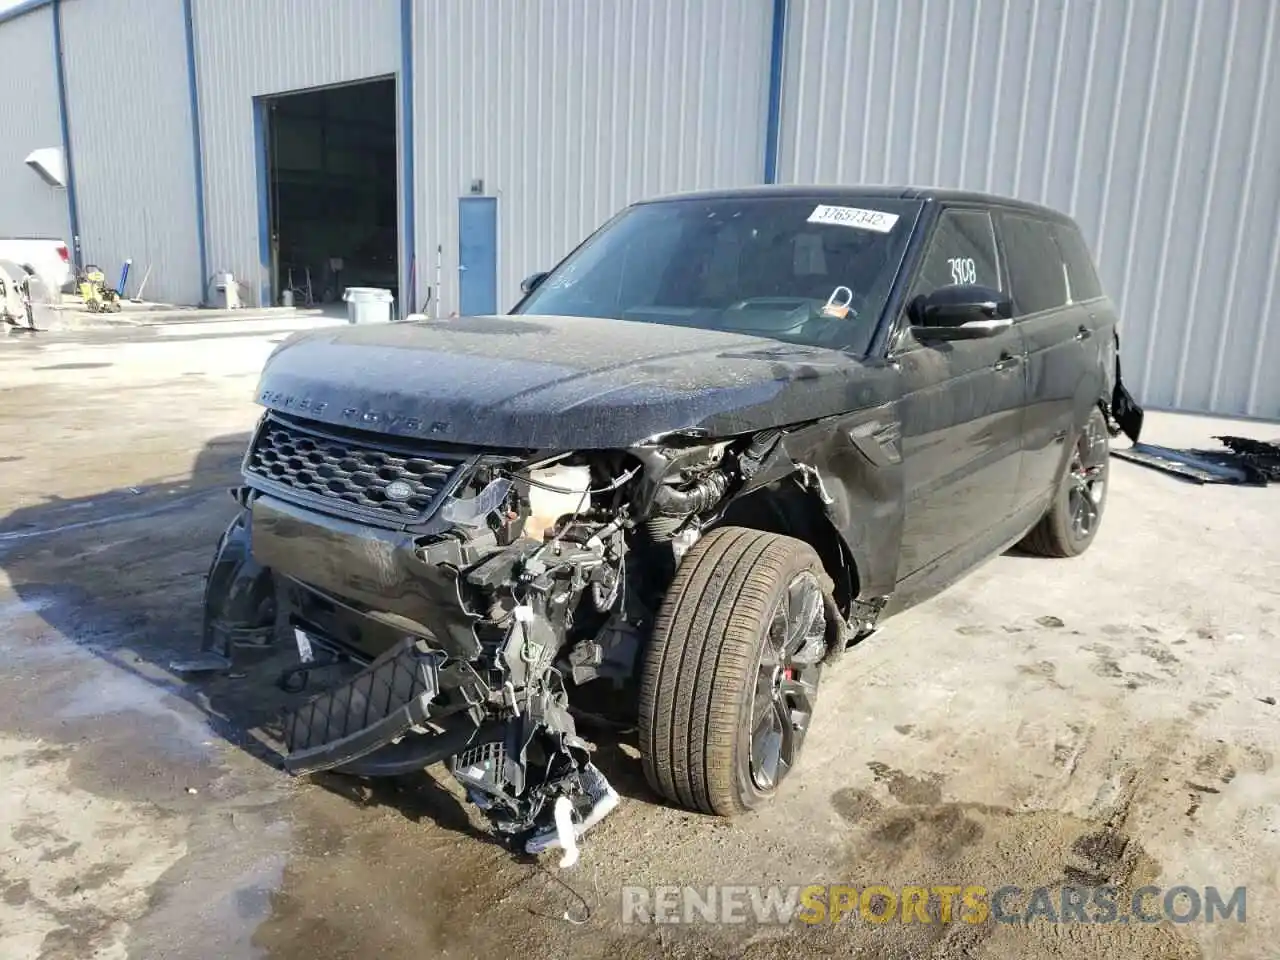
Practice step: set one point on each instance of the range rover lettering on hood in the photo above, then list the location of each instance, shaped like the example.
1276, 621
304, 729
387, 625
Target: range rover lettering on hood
388, 420
394, 421
278, 400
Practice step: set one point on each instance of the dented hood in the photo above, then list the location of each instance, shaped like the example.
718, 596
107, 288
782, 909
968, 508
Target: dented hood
554, 382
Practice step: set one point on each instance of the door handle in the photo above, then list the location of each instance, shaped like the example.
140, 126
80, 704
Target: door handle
1007, 361
1083, 333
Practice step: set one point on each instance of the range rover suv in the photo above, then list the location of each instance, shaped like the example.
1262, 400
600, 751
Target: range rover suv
718, 443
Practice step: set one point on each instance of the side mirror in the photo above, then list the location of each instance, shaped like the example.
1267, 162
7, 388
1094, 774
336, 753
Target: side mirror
532, 282
961, 312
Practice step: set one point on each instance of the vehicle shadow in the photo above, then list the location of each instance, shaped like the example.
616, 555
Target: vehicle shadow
121, 575
416, 797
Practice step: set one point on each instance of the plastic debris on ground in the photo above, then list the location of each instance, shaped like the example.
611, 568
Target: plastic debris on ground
1244, 461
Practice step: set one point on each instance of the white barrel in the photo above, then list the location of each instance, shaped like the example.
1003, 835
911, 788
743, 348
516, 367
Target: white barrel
368, 304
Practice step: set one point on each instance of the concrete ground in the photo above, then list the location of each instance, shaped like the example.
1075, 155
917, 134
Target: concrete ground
70, 316
1110, 719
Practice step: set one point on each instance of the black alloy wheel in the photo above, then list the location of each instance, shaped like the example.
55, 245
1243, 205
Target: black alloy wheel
786, 687
1075, 513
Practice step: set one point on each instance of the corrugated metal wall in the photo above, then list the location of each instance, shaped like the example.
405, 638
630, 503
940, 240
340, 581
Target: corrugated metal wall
130, 119
1154, 122
29, 120
248, 48
1147, 119
570, 109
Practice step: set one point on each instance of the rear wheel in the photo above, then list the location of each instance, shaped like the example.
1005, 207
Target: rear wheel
731, 674
1072, 520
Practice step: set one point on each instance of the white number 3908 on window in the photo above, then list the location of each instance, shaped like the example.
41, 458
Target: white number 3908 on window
963, 270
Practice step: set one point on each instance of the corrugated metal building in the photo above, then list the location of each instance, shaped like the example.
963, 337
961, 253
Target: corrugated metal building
532, 120
129, 113
30, 119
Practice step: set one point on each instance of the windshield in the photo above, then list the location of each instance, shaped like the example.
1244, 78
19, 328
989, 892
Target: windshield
796, 270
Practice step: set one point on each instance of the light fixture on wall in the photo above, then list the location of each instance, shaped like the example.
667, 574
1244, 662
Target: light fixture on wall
50, 164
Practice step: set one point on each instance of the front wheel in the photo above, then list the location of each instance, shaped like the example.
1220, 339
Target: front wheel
1072, 520
731, 673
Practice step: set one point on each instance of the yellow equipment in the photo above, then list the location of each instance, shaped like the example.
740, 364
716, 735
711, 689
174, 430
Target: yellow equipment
99, 296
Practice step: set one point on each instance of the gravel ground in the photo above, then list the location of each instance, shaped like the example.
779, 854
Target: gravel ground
1110, 719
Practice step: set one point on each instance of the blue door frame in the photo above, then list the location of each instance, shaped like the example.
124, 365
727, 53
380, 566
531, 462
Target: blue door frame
260, 124
477, 256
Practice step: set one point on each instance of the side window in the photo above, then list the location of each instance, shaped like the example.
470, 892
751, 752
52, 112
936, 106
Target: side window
1080, 272
961, 250
1036, 272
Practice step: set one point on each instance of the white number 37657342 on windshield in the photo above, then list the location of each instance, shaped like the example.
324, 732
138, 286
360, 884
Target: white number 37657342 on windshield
876, 220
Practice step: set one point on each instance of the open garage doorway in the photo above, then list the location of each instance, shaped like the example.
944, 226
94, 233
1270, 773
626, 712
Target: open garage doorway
331, 191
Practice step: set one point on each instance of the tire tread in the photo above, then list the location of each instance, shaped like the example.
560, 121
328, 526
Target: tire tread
700, 659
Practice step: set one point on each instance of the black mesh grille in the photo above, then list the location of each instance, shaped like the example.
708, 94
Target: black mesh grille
350, 471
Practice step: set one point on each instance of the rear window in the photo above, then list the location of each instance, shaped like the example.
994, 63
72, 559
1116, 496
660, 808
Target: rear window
1080, 272
1036, 271
763, 266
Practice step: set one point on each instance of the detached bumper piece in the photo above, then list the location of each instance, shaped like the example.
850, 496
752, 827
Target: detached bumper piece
1245, 461
369, 711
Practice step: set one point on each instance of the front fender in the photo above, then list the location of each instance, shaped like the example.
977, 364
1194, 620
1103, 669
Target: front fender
859, 459
239, 593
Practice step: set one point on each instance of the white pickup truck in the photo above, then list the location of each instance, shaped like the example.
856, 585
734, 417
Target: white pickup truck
49, 259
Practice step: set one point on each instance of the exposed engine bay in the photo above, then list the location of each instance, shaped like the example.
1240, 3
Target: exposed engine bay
483, 598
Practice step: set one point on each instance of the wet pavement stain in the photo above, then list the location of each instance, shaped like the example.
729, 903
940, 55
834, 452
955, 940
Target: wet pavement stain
400, 864
905, 788
76, 864
1159, 653
1045, 670
854, 805
15, 892
1106, 665
74, 366
967, 844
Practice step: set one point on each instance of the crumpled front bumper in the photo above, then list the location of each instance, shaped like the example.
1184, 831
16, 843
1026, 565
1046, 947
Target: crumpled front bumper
374, 571
411, 704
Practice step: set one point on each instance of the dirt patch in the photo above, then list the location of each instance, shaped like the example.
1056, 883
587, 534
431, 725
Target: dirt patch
905, 788
78, 868
1044, 670
967, 844
400, 864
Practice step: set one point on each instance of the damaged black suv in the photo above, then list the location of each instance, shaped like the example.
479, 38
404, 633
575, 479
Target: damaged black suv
714, 446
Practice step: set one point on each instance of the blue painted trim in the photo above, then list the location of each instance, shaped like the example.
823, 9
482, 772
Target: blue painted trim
26, 6
409, 295
264, 215
773, 119
73, 208
197, 150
